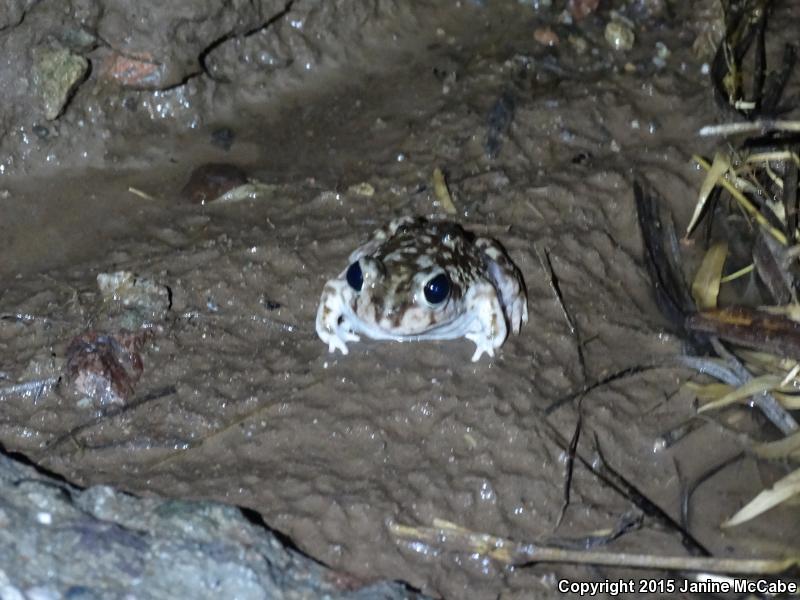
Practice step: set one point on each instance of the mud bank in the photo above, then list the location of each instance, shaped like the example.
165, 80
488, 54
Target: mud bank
342, 114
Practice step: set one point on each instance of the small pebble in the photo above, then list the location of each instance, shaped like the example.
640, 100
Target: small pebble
648, 9
545, 36
579, 44
362, 189
41, 131
209, 181
662, 54
223, 138
580, 9
619, 36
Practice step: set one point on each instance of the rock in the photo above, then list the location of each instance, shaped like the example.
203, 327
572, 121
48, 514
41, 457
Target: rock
546, 36
708, 27
647, 9
59, 541
137, 72
131, 302
580, 9
619, 36
210, 181
56, 74
578, 43
78, 39
364, 189
102, 370
223, 137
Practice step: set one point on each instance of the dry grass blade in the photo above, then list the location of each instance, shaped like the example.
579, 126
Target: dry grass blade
248, 191
736, 274
141, 194
782, 490
452, 537
715, 172
748, 206
766, 361
791, 375
763, 157
779, 449
709, 392
442, 193
788, 401
764, 126
765, 383
705, 287
791, 311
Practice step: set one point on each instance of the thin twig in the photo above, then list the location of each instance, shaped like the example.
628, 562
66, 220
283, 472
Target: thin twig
452, 537
573, 446
140, 193
689, 490
586, 389
547, 266
37, 386
765, 401
72, 434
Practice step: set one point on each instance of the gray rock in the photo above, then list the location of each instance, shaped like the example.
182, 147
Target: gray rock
58, 541
56, 74
174, 35
129, 301
13, 12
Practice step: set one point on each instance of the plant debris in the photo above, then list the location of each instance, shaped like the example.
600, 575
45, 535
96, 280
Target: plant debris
449, 536
442, 192
748, 317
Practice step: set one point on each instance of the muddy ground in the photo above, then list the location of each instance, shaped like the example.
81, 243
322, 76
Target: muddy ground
239, 401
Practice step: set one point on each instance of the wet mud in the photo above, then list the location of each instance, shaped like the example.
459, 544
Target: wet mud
237, 399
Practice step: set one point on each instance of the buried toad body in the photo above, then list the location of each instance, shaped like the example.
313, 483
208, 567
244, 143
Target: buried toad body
420, 279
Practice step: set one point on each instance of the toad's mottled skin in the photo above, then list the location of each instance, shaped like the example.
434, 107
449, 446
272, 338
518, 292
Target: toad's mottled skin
486, 297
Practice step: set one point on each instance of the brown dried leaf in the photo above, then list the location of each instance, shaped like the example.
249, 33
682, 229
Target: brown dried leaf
775, 334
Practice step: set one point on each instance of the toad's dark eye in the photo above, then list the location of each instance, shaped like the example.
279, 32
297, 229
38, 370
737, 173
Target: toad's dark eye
354, 276
437, 289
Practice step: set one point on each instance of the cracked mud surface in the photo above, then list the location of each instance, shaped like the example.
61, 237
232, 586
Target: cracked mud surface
240, 402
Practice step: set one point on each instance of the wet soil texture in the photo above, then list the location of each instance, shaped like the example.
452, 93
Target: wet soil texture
342, 113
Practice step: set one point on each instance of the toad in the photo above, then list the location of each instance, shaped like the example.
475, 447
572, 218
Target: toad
421, 279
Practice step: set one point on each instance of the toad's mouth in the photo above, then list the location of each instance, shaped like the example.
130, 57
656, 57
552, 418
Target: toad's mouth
446, 329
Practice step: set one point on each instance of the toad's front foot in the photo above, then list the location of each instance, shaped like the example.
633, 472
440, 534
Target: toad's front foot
332, 327
482, 344
518, 313
489, 330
